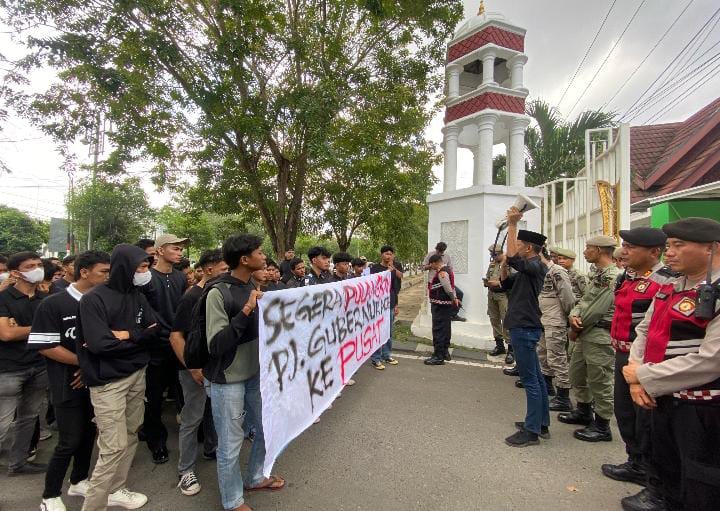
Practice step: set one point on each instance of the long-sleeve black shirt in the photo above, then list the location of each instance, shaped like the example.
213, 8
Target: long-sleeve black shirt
523, 306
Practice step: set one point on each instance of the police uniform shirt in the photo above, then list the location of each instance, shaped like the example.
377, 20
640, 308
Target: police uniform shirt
681, 372
55, 324
20, 307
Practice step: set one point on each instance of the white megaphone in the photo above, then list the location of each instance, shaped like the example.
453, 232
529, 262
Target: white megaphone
523, 203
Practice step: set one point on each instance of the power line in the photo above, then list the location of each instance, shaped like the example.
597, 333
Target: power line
607, 56
587, 52
662, 38
670, 87
662, 73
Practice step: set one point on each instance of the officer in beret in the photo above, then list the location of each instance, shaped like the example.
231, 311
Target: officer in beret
674, 370
593, 358
523, 322
566, 258
497, 304
644, 275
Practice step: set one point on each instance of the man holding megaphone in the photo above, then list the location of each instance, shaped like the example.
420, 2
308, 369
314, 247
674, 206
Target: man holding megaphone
523, 322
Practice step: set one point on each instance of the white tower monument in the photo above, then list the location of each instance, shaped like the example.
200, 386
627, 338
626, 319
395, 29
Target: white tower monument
485, 106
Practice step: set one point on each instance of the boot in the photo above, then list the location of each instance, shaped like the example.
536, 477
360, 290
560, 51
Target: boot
549, 385
562, 402
437, 359
511, 371
510, 357
519, 384
446, 355
646, 500
597, 431
629, 472
499, 348
580, 415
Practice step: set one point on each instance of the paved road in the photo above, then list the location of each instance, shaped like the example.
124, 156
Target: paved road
408, 438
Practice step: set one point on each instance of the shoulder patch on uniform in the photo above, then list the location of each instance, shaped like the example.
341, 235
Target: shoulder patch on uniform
665, 271
642, 286
686, 306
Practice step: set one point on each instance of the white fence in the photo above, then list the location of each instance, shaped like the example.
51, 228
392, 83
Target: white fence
571, 209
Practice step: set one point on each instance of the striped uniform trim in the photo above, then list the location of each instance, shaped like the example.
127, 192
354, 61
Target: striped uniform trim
441, 302
623, 346
698, 395
43, 338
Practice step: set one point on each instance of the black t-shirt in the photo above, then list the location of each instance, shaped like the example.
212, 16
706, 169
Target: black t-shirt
184, 313
523, 307
55, 324
396, 281
168, 289
13, 355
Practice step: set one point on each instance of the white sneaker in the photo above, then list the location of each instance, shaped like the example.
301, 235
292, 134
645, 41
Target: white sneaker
53, 504
350, 382
80, 489
189, 484
127, 499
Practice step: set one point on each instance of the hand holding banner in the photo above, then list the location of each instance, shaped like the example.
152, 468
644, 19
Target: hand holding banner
312, 340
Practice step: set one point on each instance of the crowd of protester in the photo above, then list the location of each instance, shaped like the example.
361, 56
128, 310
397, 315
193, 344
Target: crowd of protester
101, 341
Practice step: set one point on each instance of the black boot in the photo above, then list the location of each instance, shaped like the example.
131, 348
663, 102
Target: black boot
437, 359
646, 500
549, 384
580, 415
628, 472
597, 431
446, 355
511, 371
562, 402
499, 348
510, 357
519, 384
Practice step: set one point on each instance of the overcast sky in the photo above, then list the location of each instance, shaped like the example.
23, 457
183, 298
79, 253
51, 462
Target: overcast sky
559, 33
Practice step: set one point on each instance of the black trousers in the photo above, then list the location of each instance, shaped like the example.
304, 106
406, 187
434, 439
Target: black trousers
441, 326
633, 421
77, 437
160, 375
685, 459
456, 310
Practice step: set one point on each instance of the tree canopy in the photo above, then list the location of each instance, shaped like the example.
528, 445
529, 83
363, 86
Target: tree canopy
251, 96
19, 231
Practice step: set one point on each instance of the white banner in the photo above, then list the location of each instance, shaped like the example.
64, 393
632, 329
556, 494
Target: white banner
312, 340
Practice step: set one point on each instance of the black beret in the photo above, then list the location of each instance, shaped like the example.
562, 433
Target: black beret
531, 237
644, 237
699, 230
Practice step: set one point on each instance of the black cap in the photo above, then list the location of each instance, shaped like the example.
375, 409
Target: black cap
644, 237
531, 237
699, 230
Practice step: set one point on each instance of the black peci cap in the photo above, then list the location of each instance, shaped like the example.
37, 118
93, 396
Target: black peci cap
531, 237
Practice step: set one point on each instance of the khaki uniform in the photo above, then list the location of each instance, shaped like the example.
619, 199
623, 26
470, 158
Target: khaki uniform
593, 358
556, 301
579, 283
497, 304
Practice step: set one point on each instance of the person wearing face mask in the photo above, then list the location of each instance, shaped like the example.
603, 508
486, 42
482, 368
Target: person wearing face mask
5, 279
23, 377
117, 327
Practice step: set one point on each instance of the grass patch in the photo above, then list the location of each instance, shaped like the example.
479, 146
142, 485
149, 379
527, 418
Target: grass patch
402, 333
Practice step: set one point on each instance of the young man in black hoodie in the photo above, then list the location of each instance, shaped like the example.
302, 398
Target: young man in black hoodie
117, 326
54, 333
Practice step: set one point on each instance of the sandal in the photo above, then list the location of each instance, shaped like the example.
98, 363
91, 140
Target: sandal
272, 483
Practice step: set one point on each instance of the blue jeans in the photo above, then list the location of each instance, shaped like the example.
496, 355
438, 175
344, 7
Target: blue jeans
383, 352
524, 342
230, 401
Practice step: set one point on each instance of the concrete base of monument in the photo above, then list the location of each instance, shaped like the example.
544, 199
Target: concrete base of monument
464, 333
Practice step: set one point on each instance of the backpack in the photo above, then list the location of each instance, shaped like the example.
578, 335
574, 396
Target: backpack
196, 352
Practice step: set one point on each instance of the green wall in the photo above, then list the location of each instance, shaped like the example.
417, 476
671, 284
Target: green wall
675, 210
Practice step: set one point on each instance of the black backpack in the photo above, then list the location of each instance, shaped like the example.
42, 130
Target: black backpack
196, 346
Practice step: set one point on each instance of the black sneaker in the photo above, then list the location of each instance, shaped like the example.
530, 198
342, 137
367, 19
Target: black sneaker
522, 438
511, 371
209, 455
509, 358
160, 456
189, 484
434, 361
544, 430
27, 468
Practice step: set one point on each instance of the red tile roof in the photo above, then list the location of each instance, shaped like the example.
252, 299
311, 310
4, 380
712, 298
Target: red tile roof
667, 158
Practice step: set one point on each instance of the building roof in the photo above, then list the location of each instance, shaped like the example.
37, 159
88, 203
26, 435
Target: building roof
667, 158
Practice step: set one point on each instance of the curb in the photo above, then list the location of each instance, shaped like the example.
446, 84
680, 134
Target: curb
459, 353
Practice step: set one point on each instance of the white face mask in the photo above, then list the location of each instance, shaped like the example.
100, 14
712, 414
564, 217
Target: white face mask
141, 279
33, 276
4, 276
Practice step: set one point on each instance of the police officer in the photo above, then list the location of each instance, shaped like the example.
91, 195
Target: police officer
644, 275
566, 258
556, 301
443, 301
674, 370
593, 358
497, 304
